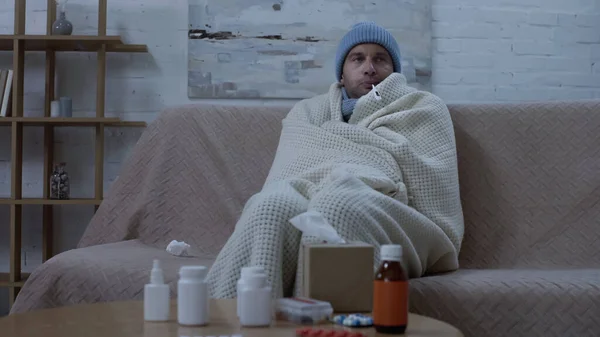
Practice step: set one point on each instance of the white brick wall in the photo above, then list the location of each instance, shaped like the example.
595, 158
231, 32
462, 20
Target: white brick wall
488, 50
484, 50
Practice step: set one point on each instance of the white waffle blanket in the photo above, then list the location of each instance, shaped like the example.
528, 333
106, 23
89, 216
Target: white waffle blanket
389, 175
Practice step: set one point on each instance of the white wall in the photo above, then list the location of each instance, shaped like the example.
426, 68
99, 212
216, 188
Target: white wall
516, 50
484, 50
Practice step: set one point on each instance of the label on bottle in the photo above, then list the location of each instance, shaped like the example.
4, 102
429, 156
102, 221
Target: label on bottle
390, 303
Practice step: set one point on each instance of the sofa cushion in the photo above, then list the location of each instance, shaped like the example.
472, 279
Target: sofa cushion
529, 184
188, 177
518, 302
102, 273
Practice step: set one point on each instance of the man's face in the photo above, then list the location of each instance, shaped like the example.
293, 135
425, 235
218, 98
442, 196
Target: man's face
365, 65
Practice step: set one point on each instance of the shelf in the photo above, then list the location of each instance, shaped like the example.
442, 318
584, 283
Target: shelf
19, 45
40, 201
128, 124
71, 121
127, 48
78, 43
5, 280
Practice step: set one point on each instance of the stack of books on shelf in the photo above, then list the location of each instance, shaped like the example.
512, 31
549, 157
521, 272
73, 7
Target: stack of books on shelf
6, 79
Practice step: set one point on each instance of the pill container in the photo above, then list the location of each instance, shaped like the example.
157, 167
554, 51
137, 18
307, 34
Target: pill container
302, 310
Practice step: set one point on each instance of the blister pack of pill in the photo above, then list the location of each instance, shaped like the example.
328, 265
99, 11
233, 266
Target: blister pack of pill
353, 320
311, 332
212, 336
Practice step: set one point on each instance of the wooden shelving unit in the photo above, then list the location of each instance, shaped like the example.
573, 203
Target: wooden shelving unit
19, 43
80, 43
41, 201
73, 121
6, 282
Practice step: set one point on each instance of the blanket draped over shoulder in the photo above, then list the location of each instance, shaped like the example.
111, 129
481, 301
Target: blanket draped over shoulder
389, 175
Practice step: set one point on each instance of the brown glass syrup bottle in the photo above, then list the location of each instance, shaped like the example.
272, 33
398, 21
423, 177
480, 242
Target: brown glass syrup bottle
390, 293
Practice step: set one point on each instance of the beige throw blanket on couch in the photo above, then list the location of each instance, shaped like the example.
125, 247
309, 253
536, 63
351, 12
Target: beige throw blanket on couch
389, 175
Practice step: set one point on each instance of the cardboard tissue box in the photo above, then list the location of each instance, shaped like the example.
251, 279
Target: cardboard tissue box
337, 271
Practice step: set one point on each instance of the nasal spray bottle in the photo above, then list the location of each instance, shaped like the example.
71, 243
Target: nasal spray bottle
156, 296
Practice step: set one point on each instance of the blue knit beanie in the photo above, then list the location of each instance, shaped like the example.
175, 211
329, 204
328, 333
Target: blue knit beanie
367, 32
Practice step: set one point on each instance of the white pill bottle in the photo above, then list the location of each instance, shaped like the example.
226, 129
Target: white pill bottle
192, 296
255, 301
244, 274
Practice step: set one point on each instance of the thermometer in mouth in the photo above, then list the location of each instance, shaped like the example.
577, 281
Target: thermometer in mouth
376, 93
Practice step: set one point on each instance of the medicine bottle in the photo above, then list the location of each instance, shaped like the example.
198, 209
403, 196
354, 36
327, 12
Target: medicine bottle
390, 292
192, 296
244, 274
255, 301
156, 296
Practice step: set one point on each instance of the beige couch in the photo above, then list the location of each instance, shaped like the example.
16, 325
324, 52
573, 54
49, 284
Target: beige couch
530, 184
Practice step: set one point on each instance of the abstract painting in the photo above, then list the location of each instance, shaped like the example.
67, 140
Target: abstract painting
286, 48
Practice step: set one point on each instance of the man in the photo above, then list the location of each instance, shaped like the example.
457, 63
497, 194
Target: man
374, 158
366, 56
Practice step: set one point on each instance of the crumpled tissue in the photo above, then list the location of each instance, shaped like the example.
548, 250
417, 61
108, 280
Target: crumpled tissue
314, 224
178, 248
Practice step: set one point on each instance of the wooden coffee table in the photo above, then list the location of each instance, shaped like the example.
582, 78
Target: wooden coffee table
125, 319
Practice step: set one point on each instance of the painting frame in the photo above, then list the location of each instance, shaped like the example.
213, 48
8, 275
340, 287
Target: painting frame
259, 49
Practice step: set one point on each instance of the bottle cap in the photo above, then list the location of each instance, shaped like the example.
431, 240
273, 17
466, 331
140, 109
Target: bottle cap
247, 271
193, 272
156, 274
256, 280
391, 252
